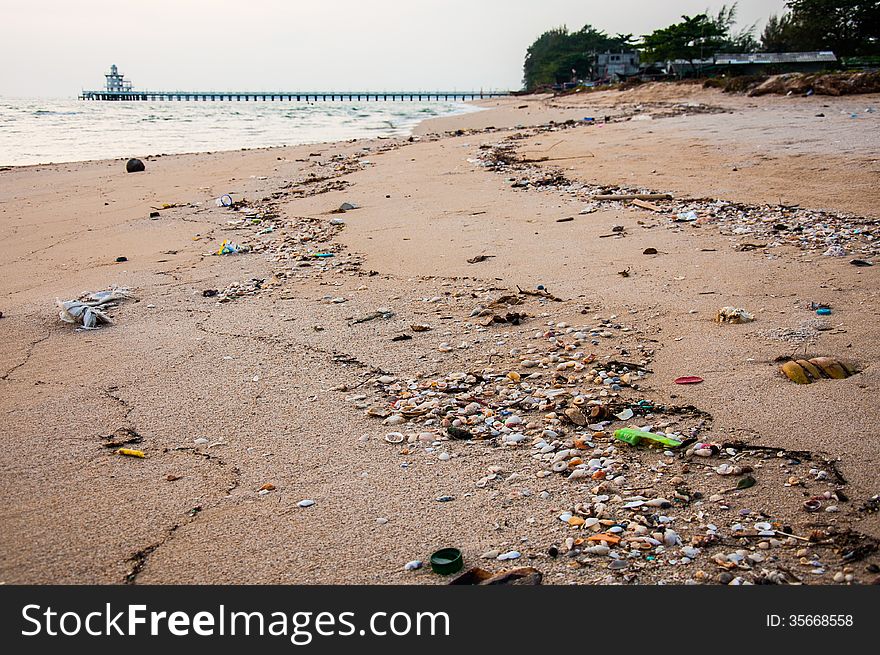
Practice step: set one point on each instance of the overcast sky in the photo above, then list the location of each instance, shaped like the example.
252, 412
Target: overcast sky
54, 48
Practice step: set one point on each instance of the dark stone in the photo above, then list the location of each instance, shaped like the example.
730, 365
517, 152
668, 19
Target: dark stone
154, 214
134, 166
121, 259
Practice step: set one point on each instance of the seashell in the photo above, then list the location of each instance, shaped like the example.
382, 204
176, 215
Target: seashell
597, 550
578, 474
576, 521
576, 416
813, 505
394, 437
395, 419
559, 467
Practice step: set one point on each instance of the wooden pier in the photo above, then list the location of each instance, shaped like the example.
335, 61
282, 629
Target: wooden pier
288, 96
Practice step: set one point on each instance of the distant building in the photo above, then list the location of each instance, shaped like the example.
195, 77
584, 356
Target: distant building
756, 63
116, 81
614, 66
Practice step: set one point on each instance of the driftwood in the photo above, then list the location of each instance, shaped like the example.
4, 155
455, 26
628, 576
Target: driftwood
634, 196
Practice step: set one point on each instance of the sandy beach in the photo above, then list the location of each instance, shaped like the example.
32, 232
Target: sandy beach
289, 378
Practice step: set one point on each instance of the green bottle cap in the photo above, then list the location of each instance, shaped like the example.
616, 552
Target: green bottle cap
447, 561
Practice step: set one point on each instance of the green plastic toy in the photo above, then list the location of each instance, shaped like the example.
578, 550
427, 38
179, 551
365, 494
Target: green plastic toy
633, 437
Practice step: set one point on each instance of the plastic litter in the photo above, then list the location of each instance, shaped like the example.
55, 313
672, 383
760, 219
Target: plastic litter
230, 248
130, 453
89, 310
803, 371
634, 437
733, 315
688, 379
447, 561
224, 201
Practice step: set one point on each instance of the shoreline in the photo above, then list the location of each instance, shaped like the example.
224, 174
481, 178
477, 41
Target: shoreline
463, 108
280, 383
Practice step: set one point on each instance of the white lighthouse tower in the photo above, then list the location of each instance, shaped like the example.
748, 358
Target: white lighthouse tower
116, 81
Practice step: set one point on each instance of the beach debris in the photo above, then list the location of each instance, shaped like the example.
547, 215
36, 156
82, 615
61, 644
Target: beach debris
634, 437
632, 196
479, 258
540, 291
646, 205
861, 263
130, 453
230, 248
733, 315
122, 437
805, 371
381, 312
134, 166
688, 379
565, 220
446, 561
89, 310
224, 201
419, 327
523, 575
511, 318
414, 565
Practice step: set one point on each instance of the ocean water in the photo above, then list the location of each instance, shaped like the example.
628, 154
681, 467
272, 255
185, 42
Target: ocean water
41, 131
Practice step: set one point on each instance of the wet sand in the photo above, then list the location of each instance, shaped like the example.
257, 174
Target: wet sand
272, 387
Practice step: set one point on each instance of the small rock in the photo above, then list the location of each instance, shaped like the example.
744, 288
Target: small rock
134, 166
306, 503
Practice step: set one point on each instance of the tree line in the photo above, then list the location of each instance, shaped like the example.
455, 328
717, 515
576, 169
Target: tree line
847, 27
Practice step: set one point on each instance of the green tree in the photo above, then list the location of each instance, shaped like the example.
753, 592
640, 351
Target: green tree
559, 55
699, 37
848, 27
695, 37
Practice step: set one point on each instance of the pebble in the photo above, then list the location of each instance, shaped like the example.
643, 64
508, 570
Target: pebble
413, 565
306, 503
512, 554
490, 554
